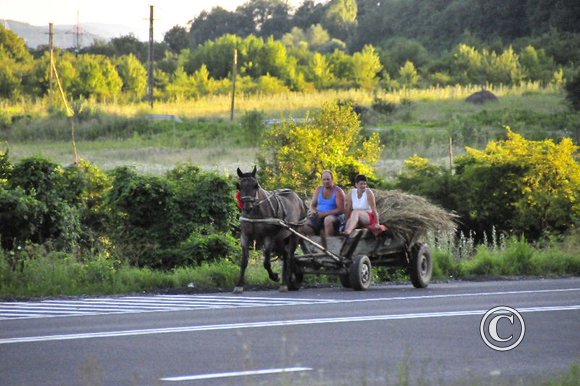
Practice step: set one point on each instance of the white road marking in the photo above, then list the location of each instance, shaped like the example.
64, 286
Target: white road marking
234, 374
133, 304
275, 323
167, 303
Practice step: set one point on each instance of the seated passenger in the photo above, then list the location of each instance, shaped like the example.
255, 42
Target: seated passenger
361, 207
327, 206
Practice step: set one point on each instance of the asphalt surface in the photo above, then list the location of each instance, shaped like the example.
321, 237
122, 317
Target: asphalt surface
329, 336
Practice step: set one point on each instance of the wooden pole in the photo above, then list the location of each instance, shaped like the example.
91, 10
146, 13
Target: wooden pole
234, 72
51, 73
150, 61
450, 153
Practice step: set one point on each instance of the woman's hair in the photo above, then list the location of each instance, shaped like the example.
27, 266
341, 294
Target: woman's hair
360, 177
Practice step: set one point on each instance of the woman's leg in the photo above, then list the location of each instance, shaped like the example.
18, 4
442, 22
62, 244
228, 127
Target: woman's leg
358, 218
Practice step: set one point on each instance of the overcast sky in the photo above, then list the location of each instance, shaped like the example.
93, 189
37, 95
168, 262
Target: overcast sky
132, 13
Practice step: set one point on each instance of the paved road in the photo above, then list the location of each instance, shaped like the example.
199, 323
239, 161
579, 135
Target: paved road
325, 336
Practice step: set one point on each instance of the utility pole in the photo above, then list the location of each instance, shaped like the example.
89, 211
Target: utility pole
234, 71
150, 62
51, 72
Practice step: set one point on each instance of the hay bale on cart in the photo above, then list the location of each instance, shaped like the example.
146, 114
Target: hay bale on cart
410, 217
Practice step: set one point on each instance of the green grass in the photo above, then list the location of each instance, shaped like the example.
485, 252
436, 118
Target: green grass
113, 135
515, 258
34, 272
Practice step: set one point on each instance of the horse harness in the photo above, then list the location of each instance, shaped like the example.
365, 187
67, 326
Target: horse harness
279, 212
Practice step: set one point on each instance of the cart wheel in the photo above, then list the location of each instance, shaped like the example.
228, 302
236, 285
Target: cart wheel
296, 277
344, 279
360, 273
421, 266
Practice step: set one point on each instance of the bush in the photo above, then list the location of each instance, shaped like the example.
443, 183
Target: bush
45, 182
573, 92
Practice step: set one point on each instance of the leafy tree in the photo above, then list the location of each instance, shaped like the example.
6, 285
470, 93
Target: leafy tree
340, 18
308, 13
14, 62
177, 39
96, 77
218, 22
320, 71
294, 154
13, 46
548, 184
133, 76
269, 17
408, 76
217, 56
366, 67
573, 92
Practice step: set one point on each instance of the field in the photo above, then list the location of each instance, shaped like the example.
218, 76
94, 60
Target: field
421, 122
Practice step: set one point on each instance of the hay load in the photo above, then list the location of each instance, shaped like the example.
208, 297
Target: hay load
410, 216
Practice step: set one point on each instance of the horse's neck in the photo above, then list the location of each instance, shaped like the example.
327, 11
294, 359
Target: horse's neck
269, 204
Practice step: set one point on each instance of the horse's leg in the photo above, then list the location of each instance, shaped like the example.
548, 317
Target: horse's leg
285, 271
245, 256
267, 264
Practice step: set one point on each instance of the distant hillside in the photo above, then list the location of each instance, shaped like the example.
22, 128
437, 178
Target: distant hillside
64, 35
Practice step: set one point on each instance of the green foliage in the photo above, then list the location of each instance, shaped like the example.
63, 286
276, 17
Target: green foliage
133, 75
573, 92
45, 182
203, 246
517, 185
148, 217
294, 154
20, 217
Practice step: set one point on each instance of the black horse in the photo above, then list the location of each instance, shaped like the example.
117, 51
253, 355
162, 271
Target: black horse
260, 222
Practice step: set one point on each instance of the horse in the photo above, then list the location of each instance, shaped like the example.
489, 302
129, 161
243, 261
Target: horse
266, 219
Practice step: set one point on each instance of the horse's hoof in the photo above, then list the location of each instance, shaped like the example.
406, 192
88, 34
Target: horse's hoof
283, 288
275, 277
238, 290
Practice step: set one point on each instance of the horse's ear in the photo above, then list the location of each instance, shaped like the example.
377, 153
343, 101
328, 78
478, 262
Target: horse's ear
240, 174
254, 171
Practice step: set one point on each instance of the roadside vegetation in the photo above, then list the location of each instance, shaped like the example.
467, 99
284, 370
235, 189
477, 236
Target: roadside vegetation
79, 229
102, 193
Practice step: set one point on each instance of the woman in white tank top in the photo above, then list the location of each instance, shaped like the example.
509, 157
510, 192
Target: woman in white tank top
361, 207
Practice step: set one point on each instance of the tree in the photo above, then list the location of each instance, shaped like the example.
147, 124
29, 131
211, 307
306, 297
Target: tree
15, 61
408, 76
216, 23
573, 92
319, 71
340, 18
13, 46
545, 185
366, 67
177, 39
96, 77
133, 75
294, 154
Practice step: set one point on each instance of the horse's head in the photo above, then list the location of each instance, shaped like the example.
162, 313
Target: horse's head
248, 187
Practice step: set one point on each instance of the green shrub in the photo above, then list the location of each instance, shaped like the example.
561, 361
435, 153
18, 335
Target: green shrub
45, 181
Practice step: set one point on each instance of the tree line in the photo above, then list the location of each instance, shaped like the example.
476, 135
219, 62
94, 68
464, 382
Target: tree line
337, 44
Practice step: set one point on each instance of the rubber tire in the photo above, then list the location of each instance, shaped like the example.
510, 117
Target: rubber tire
421, 266
361, 273
345, 280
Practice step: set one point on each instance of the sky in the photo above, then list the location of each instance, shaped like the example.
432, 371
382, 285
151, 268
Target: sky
132, 13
